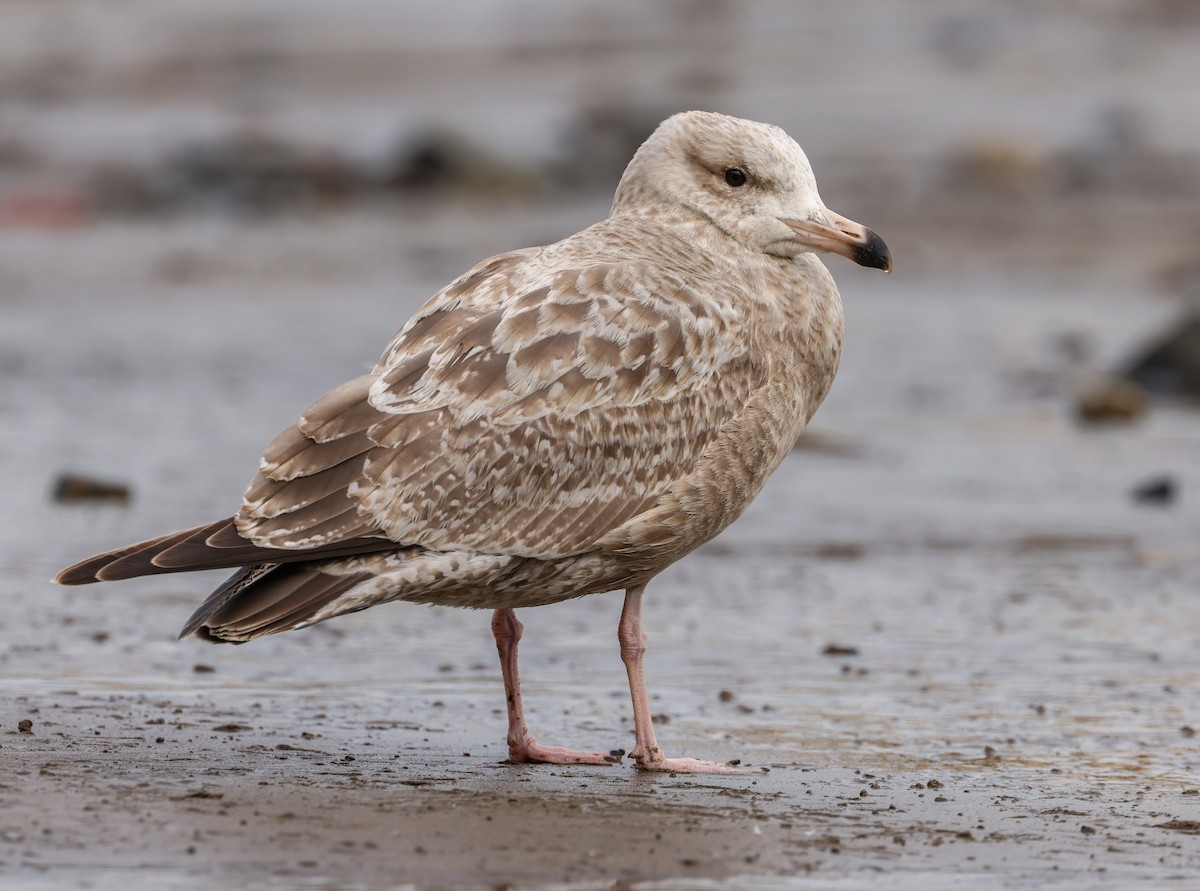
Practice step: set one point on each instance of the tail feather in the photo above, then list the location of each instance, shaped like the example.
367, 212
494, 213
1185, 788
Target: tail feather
214, 546
266, 599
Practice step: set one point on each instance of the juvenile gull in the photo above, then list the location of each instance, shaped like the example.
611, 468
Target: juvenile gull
558, 421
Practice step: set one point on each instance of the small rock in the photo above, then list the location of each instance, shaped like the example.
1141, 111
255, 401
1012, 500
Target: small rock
199, 793
439, 161
25, 725
1188, 731
839, 650
1158, 490
1111, 401
1191, 827
74, 488
839, 550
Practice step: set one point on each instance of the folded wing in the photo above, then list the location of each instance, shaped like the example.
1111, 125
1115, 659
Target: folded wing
513, 415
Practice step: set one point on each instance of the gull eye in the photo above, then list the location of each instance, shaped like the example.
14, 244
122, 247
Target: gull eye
735, 177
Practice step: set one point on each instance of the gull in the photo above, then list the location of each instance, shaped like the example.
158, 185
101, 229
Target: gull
558, 421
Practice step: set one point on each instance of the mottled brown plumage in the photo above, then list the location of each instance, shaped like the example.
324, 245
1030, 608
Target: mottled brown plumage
558, 421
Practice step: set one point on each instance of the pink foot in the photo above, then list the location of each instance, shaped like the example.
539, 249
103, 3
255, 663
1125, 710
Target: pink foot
646, 754
529, 752
656, 761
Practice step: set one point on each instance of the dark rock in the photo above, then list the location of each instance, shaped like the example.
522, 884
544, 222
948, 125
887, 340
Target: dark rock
1158, 490
1111, 400
231, 728
73, 488
839, 650
441, 161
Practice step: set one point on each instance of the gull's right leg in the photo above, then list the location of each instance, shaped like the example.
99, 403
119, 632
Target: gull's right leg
646, 754
521, 746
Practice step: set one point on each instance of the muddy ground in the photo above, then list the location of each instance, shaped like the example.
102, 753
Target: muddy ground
968, 654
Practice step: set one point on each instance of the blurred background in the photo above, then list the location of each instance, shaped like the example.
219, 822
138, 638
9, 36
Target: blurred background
303, 157
212, 212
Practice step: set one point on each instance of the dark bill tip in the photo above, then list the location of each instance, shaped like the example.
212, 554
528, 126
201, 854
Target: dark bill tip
873, 253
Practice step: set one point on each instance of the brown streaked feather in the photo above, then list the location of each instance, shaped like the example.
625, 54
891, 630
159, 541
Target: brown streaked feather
559, 372
266, 599
301, 496
226, 537
270, 498
341, 412
331, 430
225, 592
314, 457
190, 549
471, 338
497, 267
137, 554
406, 373
259, 603
396, 430
330, 519
281, 450
427, 330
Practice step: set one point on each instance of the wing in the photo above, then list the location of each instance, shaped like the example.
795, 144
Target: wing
517, 413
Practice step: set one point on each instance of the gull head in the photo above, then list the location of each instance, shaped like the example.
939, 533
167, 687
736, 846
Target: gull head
750, 180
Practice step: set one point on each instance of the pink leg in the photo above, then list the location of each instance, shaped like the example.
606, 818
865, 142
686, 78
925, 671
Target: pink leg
646, 753
521, 746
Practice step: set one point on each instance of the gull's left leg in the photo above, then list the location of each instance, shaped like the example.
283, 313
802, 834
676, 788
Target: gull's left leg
646, 753
521, 746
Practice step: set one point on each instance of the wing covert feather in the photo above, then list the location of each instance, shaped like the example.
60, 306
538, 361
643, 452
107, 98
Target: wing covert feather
544, 416
519, 412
